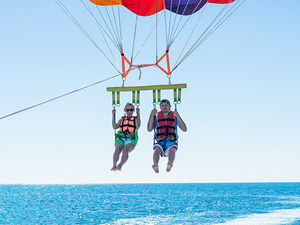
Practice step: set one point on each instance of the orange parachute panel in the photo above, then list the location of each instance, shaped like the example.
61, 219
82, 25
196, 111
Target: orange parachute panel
107, 2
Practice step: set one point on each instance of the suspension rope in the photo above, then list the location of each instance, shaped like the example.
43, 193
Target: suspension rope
166, 30
176, 15
115, 42
101, 29
121, 25
156, 34
208, 32
135, 28
175, 33
147, 37
60, 96
168, 41
63, 7
189, 37
119, 30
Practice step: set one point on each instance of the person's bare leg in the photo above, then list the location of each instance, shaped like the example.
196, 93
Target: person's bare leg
116, 156
156, 156
171, 158
125, 155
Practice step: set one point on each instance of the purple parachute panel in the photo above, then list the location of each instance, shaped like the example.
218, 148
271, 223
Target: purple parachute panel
184, 7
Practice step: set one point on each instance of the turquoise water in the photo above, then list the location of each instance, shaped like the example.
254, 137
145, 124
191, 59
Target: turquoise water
249, 203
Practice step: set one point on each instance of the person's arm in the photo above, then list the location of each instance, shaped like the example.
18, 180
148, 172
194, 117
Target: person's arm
181, 124
117, 125
150, 121
138, 116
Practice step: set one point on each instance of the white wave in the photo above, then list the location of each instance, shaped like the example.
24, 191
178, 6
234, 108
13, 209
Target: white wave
150, 220
158, 220
284, 216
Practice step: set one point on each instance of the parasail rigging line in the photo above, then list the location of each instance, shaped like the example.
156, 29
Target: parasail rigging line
121, 25
174, 22
190, 36
208, 32
147, 37
115, 41
169, 26
60, 96
119, 35
101, 29
156, 34
62, 6
175, 33
135, 29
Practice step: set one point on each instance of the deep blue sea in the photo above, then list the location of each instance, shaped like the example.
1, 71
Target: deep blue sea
232, 203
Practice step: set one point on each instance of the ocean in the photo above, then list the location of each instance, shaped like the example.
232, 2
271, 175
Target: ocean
193, 203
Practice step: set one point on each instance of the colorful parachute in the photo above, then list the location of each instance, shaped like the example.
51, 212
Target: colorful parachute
119, 29
150, 7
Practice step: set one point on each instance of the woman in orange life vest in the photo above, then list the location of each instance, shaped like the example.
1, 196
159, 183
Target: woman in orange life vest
127, 138
165, 133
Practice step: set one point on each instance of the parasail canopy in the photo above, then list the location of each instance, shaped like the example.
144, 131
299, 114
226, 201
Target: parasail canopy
150, 7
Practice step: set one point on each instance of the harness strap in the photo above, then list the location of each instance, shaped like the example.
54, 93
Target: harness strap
154, 129
166, 119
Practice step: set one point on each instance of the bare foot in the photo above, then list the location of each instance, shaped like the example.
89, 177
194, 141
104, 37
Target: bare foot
155, 168
114, 168
169, 166
119, 167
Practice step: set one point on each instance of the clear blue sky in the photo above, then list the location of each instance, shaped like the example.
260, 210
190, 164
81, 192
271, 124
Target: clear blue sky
241, 105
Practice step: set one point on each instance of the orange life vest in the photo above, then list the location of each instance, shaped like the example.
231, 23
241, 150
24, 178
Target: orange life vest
128, 125
165, 126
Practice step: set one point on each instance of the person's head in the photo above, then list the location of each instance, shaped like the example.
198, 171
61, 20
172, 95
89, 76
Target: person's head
129, 109
165, 105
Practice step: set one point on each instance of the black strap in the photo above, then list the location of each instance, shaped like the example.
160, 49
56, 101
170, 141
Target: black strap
166, 119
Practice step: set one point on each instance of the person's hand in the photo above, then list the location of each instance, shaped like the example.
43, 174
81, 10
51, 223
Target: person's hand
113, 111
176, 114
153, 112
137, 110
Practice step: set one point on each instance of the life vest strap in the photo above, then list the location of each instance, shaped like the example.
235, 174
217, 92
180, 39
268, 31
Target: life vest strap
166, 126
166, 134
166, 119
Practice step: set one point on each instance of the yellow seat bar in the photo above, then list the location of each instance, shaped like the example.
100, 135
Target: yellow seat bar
146, 88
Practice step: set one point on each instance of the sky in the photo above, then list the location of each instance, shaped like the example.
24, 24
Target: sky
241, 105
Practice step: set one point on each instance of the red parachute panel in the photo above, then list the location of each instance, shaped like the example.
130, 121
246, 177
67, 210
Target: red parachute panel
144, 7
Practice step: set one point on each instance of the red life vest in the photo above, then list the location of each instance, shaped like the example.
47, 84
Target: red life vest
128, 125
165, 126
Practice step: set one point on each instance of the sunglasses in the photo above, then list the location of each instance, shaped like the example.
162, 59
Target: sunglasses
127, 110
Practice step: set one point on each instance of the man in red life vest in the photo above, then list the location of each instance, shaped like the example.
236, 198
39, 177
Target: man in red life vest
165, 133
127, 137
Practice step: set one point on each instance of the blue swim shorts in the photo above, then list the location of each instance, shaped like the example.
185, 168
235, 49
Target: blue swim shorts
165, 146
